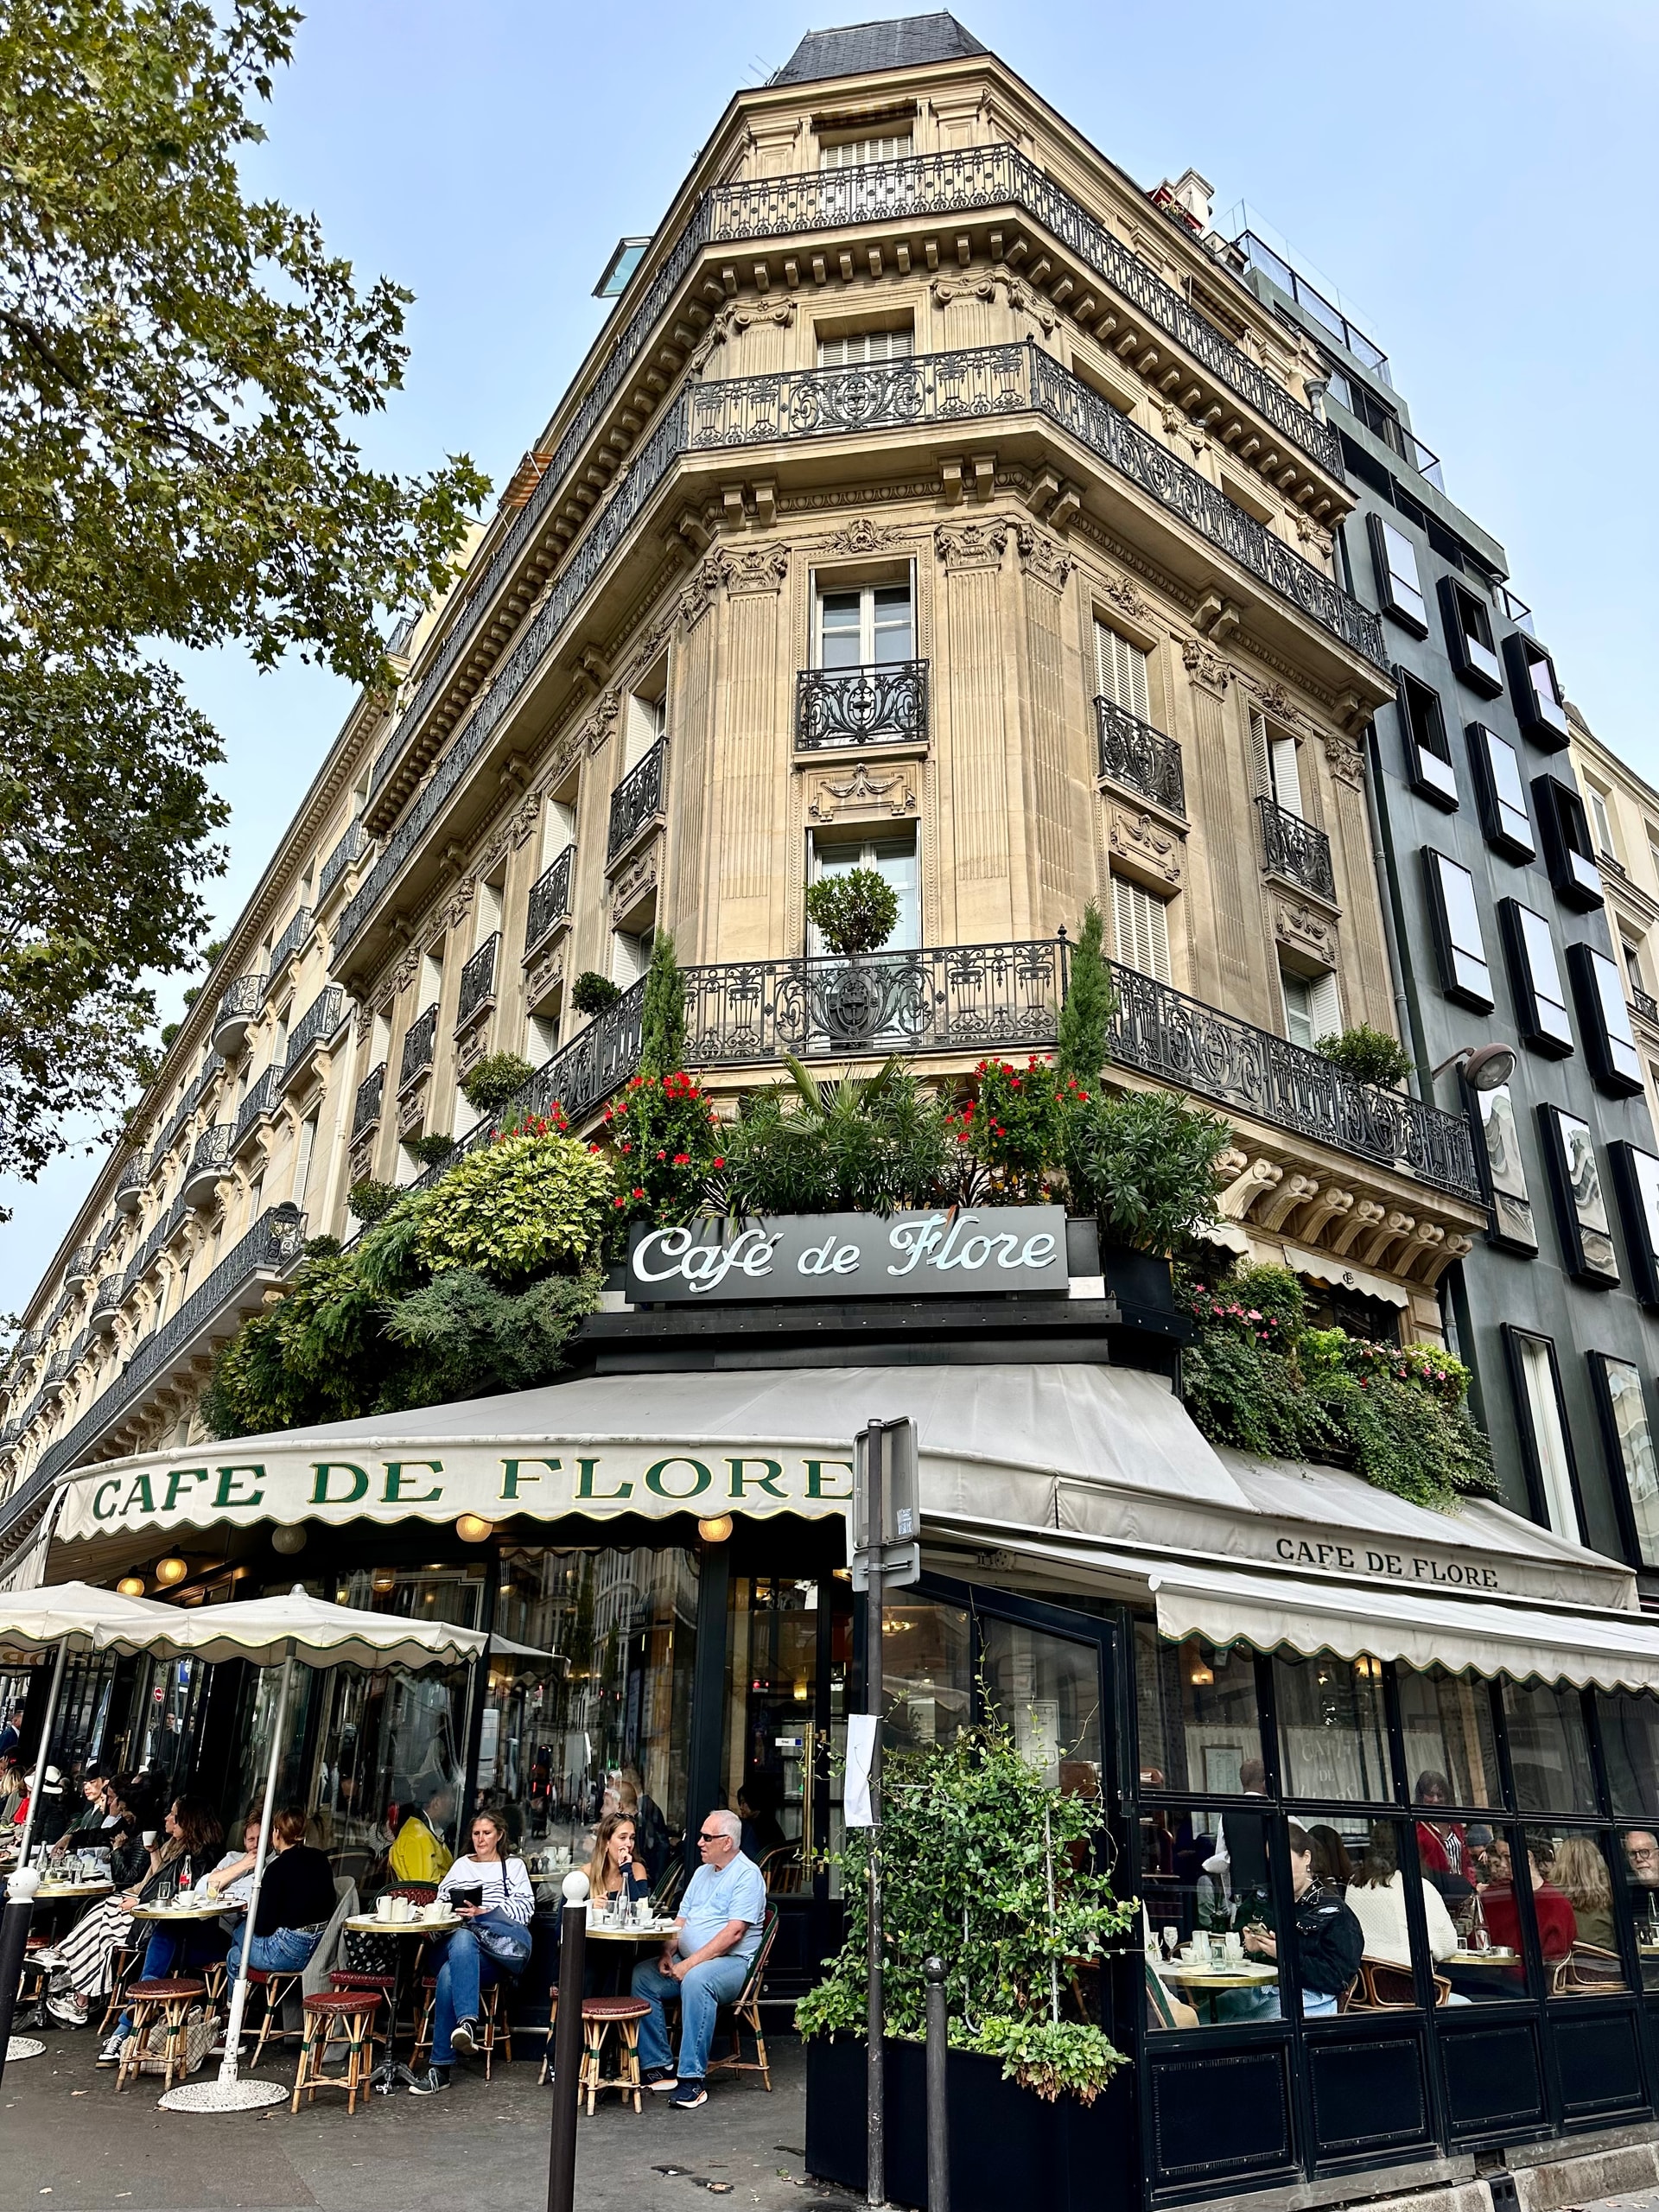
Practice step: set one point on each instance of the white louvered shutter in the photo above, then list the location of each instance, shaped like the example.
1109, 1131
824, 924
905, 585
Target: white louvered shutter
856, 348
1324, 1005
1140, 929
1120, 672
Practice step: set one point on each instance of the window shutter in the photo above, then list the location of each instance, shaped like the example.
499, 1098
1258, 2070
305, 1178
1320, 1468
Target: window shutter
1286, 779
1260, 768
1140, 929
1324, 1005
1120, 672
857, 347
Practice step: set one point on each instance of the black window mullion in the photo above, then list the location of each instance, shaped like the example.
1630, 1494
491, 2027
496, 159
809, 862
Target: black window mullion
1267, 1716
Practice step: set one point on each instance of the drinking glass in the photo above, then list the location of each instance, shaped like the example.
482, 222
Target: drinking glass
1172, 1940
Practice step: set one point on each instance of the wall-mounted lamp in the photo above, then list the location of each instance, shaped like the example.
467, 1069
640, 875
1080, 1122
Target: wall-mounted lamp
131, 1586
288, 1541
716, 1529
171, 1570
473, 1528
1484, 1067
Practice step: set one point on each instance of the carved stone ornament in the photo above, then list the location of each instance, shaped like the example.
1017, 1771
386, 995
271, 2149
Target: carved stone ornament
1023, 300
544, 978
469, 1048
412, 1109
971, 545
1344, 757
765, 568
862, 536
1311, 534
362, 1160
944, 290
523, 824
1041, 559
1304, 929
460, 906
1145, 848
405, 972
596, 732
699, 595
1206, 667
637, 879
864, 791
1123, 595
363, 1022
733, 321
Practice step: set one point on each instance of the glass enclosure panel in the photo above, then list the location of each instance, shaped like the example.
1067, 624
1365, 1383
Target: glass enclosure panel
169, 1698
1197, 1715
1486, 1963
1450, 1749
771, 1687
1375, 1858
1629, 1743
1046, 1689
1640, 1850
1572, 1900
926, 1673
1204, 1881
1549, 1753
1333, 1736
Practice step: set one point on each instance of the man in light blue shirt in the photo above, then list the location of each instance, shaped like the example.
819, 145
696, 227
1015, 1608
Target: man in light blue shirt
722, 1916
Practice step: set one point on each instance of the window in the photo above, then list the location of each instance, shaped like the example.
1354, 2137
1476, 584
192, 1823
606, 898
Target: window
1551, 1475
1568, 854
1549, 1748
865, 627
1536, 693
1045, 1690
855, 153
1636, 1178
894, 859
630, 955
1604, 1021
1198, 1726
1580, 1206
1398, 587
647, 719
1469, 637
1451, 1748
1630, 1741
1206, 1876
1601, 820
1428, 752
1334, 1738
1572, 1906
1535, 980
1465, 974
1140, 929
927, 1676
857, 349
1627, 1436
307, 1146
1498, 1142
1312, 1009
1277, 770
1121, 673
1634, 967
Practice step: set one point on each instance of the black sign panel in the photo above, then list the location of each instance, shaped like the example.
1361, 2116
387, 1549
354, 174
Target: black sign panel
971, 1250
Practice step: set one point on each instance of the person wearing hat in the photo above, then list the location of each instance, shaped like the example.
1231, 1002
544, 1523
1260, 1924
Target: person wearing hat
52, 1816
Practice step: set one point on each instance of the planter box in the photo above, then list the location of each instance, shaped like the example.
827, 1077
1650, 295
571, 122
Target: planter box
1007, 2146
1140, 1282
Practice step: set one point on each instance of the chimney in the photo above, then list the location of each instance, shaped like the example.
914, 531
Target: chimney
1189, 198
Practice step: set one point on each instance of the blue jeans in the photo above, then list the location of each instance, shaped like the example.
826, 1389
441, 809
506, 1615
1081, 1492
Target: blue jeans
702, 1992
467, 1971
284, 1952
179, 1950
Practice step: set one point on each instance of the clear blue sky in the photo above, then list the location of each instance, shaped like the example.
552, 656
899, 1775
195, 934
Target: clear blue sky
1469, 173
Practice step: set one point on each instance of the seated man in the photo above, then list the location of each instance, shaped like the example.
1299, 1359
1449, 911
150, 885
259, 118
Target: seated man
722, 1916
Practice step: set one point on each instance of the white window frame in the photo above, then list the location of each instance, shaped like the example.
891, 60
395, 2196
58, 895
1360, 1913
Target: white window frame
1140, 929
859, 153
1544, 1418
828, 589
1323, 1004
1600, 820
860, 852
859, 349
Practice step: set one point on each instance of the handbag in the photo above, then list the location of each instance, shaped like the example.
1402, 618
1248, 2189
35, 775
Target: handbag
502, 1940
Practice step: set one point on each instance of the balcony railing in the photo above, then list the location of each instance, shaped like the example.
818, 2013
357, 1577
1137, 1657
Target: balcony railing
550, 900
478, 979
236, 1012
350, 849
270, 1246
210, 1161
315, 1025
289, 943
260, 1099
371, 1097
1297, 851
636, 800
420, 1043
1643, 1003
107, 1303
1134, 753
78, 1266
886, 702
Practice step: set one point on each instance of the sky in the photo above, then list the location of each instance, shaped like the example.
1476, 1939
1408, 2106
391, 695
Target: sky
1468, 174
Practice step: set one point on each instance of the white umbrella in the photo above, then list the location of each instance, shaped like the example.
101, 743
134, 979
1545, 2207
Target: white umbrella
268, 1631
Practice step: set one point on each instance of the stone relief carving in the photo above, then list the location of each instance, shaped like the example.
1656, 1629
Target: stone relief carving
639, 877
405, 973
971, 545
546, 976
1146, 845
1206, 667
765, 568
864, 789
1123, 595
1308, 931
733, 321
863, 536
1042, 558
1344, 757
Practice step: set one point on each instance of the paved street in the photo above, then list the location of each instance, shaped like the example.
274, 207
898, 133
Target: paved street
68, 2141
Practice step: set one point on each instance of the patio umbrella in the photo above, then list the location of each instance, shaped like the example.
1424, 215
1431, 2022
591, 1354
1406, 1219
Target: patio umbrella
269, 1632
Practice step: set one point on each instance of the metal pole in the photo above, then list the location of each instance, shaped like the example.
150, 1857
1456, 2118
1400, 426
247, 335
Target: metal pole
938, 2093
875, 2083
14, 1944
567, 2048
42, 1756
239, 1994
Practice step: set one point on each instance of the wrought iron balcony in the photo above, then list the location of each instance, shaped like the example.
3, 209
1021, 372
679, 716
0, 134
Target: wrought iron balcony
1642, 1003
637, 800
371, 1097
78, 1266
314, 1027
550, 901
179, 1120
129, 1190
1297, 851
260, 1099
420, 1043
883, 704
59, 1369
10, 1433
106, 1303
210, 1162
350, 850
1134, 753
28, 1344
478, 980
236, 1013
287, 945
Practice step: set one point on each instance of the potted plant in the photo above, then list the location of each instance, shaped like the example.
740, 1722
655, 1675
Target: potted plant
853, 911
1145, 1165
1368, 1055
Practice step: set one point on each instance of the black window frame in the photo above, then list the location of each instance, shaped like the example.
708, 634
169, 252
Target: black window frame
1569, 848
1614, 1060
1423, 733
1530, 1003
1378, 529
1531, 1463
1453, 986
1613, 1449
1499, 1230
1464, 650
1498, 815
1638, 1215
1553, 1122
1549, 732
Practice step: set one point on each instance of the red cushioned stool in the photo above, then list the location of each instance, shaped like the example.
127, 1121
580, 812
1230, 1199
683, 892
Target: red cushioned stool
599, 2016
168, 1999
338, 2016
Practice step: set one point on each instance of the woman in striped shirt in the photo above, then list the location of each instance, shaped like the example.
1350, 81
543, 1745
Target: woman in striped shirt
494, 1944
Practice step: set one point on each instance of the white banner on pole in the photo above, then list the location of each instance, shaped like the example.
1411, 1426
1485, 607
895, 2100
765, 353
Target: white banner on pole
856, 1809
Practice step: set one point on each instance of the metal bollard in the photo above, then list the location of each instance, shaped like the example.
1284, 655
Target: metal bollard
567, 2048
14, 1946
938, 2093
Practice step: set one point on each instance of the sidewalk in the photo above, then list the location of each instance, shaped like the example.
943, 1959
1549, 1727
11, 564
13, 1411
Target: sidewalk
68, 2143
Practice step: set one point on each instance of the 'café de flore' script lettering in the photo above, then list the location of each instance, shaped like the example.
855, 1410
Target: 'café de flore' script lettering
982, 1249
1391, 1566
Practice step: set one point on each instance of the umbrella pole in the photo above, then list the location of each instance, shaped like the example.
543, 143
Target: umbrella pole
42, 1756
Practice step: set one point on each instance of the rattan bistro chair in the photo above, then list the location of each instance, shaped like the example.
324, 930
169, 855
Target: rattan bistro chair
744, 2012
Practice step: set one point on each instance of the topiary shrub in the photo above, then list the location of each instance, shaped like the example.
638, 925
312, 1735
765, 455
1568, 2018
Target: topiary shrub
1146, 1165
431, 1150
519, 1206
370, 1201
592, 993
1367, 1054
496, 1082
856, 910
662, 1013
1083, 1039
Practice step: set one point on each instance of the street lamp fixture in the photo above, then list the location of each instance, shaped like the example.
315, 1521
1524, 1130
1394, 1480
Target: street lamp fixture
1484, 1067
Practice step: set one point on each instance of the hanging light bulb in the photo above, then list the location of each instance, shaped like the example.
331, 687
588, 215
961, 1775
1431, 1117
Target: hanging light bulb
383, 1580
473, 1528
288, 1541
716, 1529
171, 1570
131, 1586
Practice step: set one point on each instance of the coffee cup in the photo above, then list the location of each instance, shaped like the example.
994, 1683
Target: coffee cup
148, 1839
383, 1908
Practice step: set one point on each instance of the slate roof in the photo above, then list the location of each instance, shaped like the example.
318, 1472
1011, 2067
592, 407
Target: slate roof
905, 42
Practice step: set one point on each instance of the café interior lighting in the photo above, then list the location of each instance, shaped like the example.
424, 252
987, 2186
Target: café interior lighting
383, 1580
131, 1586
472, 1529
288, 1541
171, 1570
716, 1529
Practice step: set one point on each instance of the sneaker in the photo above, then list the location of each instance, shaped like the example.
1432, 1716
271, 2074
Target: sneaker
67, 2012
110, 2053
661, 2077
46, 1955
429, 2084
463, 2038
688, 2096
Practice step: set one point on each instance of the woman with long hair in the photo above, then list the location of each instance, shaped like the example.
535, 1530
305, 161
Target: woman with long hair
193, 1834
1376, 1898
488, 1890
616, 1869
1580, 1873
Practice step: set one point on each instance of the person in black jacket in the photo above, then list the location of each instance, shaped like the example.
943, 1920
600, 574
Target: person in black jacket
1329, 1939
297, 1901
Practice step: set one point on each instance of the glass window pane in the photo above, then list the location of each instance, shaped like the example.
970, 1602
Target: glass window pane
1549, 1754
1451, 1748
1203, 1880
1376, 1894
1640, 1847
1572, 1900
772, 1663
1046, 1689
1505, 1168
838, 615
1636, 1465
1487, 1963
1629, 1743
926, 1675
1332, 1741
1197, 1715
893, 623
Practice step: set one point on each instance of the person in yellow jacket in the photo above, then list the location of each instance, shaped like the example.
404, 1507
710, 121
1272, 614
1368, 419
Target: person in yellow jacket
418, 1851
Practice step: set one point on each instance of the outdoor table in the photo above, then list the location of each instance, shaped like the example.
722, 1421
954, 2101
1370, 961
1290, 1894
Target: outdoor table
1485, 1958
654, 1931
50, 1892
1203, 1980
391, 2072
216, 1910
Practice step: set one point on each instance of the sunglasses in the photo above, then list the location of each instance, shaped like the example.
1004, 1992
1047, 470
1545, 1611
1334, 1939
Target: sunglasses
706, 1837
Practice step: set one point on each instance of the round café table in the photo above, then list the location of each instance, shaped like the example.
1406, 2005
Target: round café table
391, 2072
654, 1931
1209, 1982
